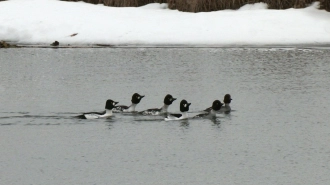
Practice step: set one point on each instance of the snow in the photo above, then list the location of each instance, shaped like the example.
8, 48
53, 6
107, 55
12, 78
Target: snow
44, 21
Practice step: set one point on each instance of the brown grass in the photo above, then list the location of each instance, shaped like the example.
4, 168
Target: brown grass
211, 5
206, 5
122, 3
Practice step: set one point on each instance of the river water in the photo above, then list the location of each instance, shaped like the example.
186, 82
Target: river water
277, 133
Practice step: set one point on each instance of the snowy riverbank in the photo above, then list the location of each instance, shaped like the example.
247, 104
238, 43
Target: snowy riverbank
41, 22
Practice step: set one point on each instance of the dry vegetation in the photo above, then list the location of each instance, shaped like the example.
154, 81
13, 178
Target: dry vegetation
122, 3
210, 5
4, 44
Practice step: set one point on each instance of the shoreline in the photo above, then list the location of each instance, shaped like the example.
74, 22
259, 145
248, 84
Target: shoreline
297, 46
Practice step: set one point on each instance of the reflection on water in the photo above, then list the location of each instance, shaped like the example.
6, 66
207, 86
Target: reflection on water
184, 123
276, 133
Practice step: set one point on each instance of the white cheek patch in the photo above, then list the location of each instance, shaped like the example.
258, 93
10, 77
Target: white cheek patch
113, 103
139, 97
185, 105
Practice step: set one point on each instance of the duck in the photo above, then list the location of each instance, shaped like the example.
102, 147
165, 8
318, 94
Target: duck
168, 100
227, 100
136, 98
216, 106
224, 109
109, 105
184, 108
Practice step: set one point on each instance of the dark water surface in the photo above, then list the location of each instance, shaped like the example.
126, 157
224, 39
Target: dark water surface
277, 133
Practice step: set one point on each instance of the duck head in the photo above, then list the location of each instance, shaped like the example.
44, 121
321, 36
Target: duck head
136, 98
168, 100
184, 106
110, 104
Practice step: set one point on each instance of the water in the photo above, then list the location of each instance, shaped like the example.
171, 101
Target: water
277, 133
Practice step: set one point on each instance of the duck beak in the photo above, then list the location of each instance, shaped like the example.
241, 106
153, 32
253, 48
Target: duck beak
115, 103
142, 96
189, 104
173, 99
